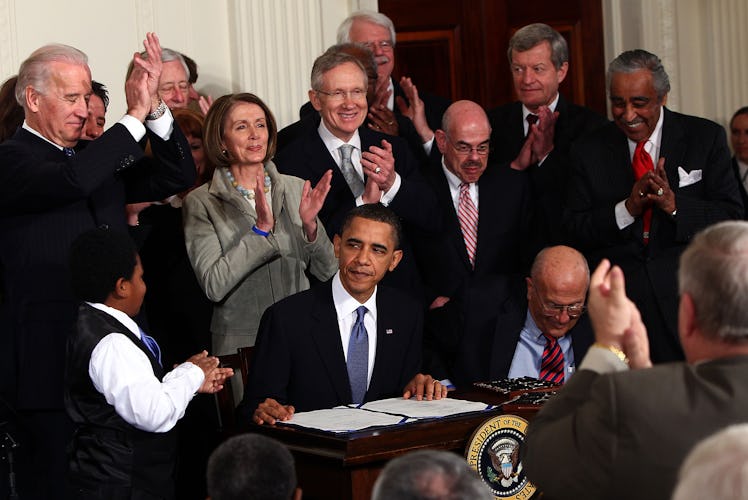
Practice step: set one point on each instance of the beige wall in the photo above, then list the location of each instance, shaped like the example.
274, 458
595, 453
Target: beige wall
267, 46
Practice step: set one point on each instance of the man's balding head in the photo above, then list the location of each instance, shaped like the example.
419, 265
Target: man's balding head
463, 140
557, 289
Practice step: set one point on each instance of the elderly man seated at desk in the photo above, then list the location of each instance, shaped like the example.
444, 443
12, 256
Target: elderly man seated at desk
541, 334
346, 340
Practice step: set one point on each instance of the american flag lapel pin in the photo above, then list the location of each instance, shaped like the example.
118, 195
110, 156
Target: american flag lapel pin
388, 331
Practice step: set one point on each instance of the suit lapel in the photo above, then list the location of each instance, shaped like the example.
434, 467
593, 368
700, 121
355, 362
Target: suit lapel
327, 338
452, 223
505, 338
387, 341
517, 127
673, 149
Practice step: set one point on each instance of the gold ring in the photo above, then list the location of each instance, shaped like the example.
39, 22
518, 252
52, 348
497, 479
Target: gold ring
377, 170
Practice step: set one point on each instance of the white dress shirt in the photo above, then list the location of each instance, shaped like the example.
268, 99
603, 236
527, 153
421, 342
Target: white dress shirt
122, 372
345, 307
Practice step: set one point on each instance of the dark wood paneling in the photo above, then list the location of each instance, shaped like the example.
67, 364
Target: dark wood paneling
458, 48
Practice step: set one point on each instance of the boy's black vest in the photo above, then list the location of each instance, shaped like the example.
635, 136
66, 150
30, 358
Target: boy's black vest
105, 449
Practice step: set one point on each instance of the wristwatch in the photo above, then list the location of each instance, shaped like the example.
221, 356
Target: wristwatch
160, 110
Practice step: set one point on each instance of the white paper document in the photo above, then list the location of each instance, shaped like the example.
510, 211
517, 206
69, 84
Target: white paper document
384, 412
343, 419
425, 409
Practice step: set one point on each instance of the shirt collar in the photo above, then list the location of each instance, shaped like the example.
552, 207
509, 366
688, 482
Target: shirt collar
453, 181
120, 316
551, 106
26, 126
332, 142
345, 305
652, 146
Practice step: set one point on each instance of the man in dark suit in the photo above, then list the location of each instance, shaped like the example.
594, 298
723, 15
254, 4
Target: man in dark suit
508, 328
619, 428
308, 344
539, 60
377, 167
472, 241
49, 193
739, 140
640, 216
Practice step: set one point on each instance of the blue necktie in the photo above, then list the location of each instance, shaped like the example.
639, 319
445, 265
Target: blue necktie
358, 357
152, 345
68, 151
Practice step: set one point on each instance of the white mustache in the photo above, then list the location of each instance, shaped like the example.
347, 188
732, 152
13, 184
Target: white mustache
382, 60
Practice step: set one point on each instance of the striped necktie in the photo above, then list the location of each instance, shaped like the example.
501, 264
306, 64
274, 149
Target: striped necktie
552, 362
467, 214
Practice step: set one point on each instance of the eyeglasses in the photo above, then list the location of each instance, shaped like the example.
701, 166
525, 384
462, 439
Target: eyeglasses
465, 149
384, 45
552, 310
340, 95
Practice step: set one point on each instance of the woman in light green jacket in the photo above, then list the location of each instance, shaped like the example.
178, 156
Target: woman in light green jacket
251, 233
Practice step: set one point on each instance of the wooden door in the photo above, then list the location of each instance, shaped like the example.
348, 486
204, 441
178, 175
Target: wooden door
457, 49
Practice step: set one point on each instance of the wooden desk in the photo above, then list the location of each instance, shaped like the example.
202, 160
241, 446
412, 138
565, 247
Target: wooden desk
334, 466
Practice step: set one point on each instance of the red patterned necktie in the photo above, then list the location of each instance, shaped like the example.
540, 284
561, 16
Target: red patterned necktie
468, 216
552, 362
642, 164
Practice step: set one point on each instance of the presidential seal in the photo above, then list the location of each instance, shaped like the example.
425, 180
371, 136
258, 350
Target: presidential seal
493, 451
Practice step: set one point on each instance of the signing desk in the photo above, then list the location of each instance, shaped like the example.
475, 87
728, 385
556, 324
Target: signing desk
345, 466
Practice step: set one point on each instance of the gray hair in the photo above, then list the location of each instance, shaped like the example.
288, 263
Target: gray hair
344, 30
638, 59
716, 467
166, 56
714, 272
35, 70
251, 466
172, 55
429, 475
330, 60
529, 36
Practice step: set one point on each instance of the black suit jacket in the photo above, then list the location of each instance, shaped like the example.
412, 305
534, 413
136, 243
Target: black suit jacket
299, 360
46, 201
624, 435
495, 313
503, 205
602, 176
503, 229
741, 187
549, 180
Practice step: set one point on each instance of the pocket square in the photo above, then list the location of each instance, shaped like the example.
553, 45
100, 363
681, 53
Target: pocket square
688, 178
